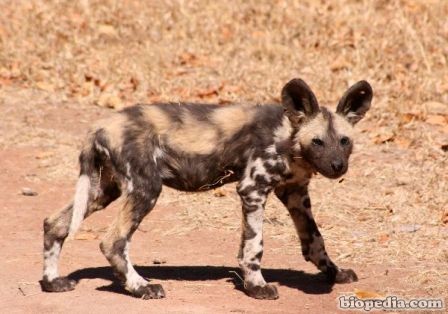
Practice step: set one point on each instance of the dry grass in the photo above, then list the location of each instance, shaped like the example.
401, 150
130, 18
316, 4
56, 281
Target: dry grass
119, 52
245, 50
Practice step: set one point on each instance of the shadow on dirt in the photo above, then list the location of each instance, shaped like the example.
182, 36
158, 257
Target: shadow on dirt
308, 283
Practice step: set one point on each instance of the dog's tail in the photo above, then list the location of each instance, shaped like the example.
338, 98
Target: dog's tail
80, 203
83, 187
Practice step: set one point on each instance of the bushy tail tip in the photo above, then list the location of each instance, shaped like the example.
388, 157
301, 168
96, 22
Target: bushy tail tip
80, 204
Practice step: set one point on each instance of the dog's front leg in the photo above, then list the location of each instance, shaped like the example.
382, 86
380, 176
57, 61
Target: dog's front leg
253, 196
296, 199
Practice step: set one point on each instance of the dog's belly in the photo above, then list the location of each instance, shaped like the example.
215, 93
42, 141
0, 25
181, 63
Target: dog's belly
198, 174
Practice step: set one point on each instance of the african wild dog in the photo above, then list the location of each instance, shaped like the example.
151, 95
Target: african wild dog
195, 147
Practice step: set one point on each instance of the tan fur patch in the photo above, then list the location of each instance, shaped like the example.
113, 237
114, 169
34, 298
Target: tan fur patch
159, 119
283, 132
194, 136
342, 126
317, 127
231, 119
191, 136
113, 126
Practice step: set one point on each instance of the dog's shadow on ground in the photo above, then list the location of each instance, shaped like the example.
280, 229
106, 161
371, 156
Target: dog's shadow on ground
308, 283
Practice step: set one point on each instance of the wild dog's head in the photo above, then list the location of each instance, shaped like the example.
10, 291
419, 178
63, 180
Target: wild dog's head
323, 137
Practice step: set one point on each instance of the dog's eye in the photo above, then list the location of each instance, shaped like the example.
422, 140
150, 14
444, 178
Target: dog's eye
345, 141
318, 142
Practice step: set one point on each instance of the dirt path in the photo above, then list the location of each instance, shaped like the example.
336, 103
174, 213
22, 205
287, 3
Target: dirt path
194, 236
198, 276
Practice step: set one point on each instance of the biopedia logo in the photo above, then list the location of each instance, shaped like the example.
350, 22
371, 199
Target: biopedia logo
389, 303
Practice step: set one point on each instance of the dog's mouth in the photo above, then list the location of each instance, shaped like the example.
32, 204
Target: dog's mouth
330, 173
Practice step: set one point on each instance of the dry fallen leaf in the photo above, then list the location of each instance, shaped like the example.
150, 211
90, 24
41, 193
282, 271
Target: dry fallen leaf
445, 218
86, 235
436, 119
5, 81
382, 136
383, 239
45, 86
339, 64
108, 30
219, 192
436, 108
365, 294
187, 58
153, 98
110, 100
210, 91
44, 155
403, 142
408, 117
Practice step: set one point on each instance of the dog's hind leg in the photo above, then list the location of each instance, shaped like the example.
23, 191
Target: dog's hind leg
94, 191
142, 193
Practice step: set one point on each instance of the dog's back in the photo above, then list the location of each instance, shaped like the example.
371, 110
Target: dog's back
193, 146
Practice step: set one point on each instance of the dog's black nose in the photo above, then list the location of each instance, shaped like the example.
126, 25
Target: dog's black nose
337, 165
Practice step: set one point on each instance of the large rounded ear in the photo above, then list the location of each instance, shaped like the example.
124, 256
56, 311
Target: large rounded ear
298, 99
355, 102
